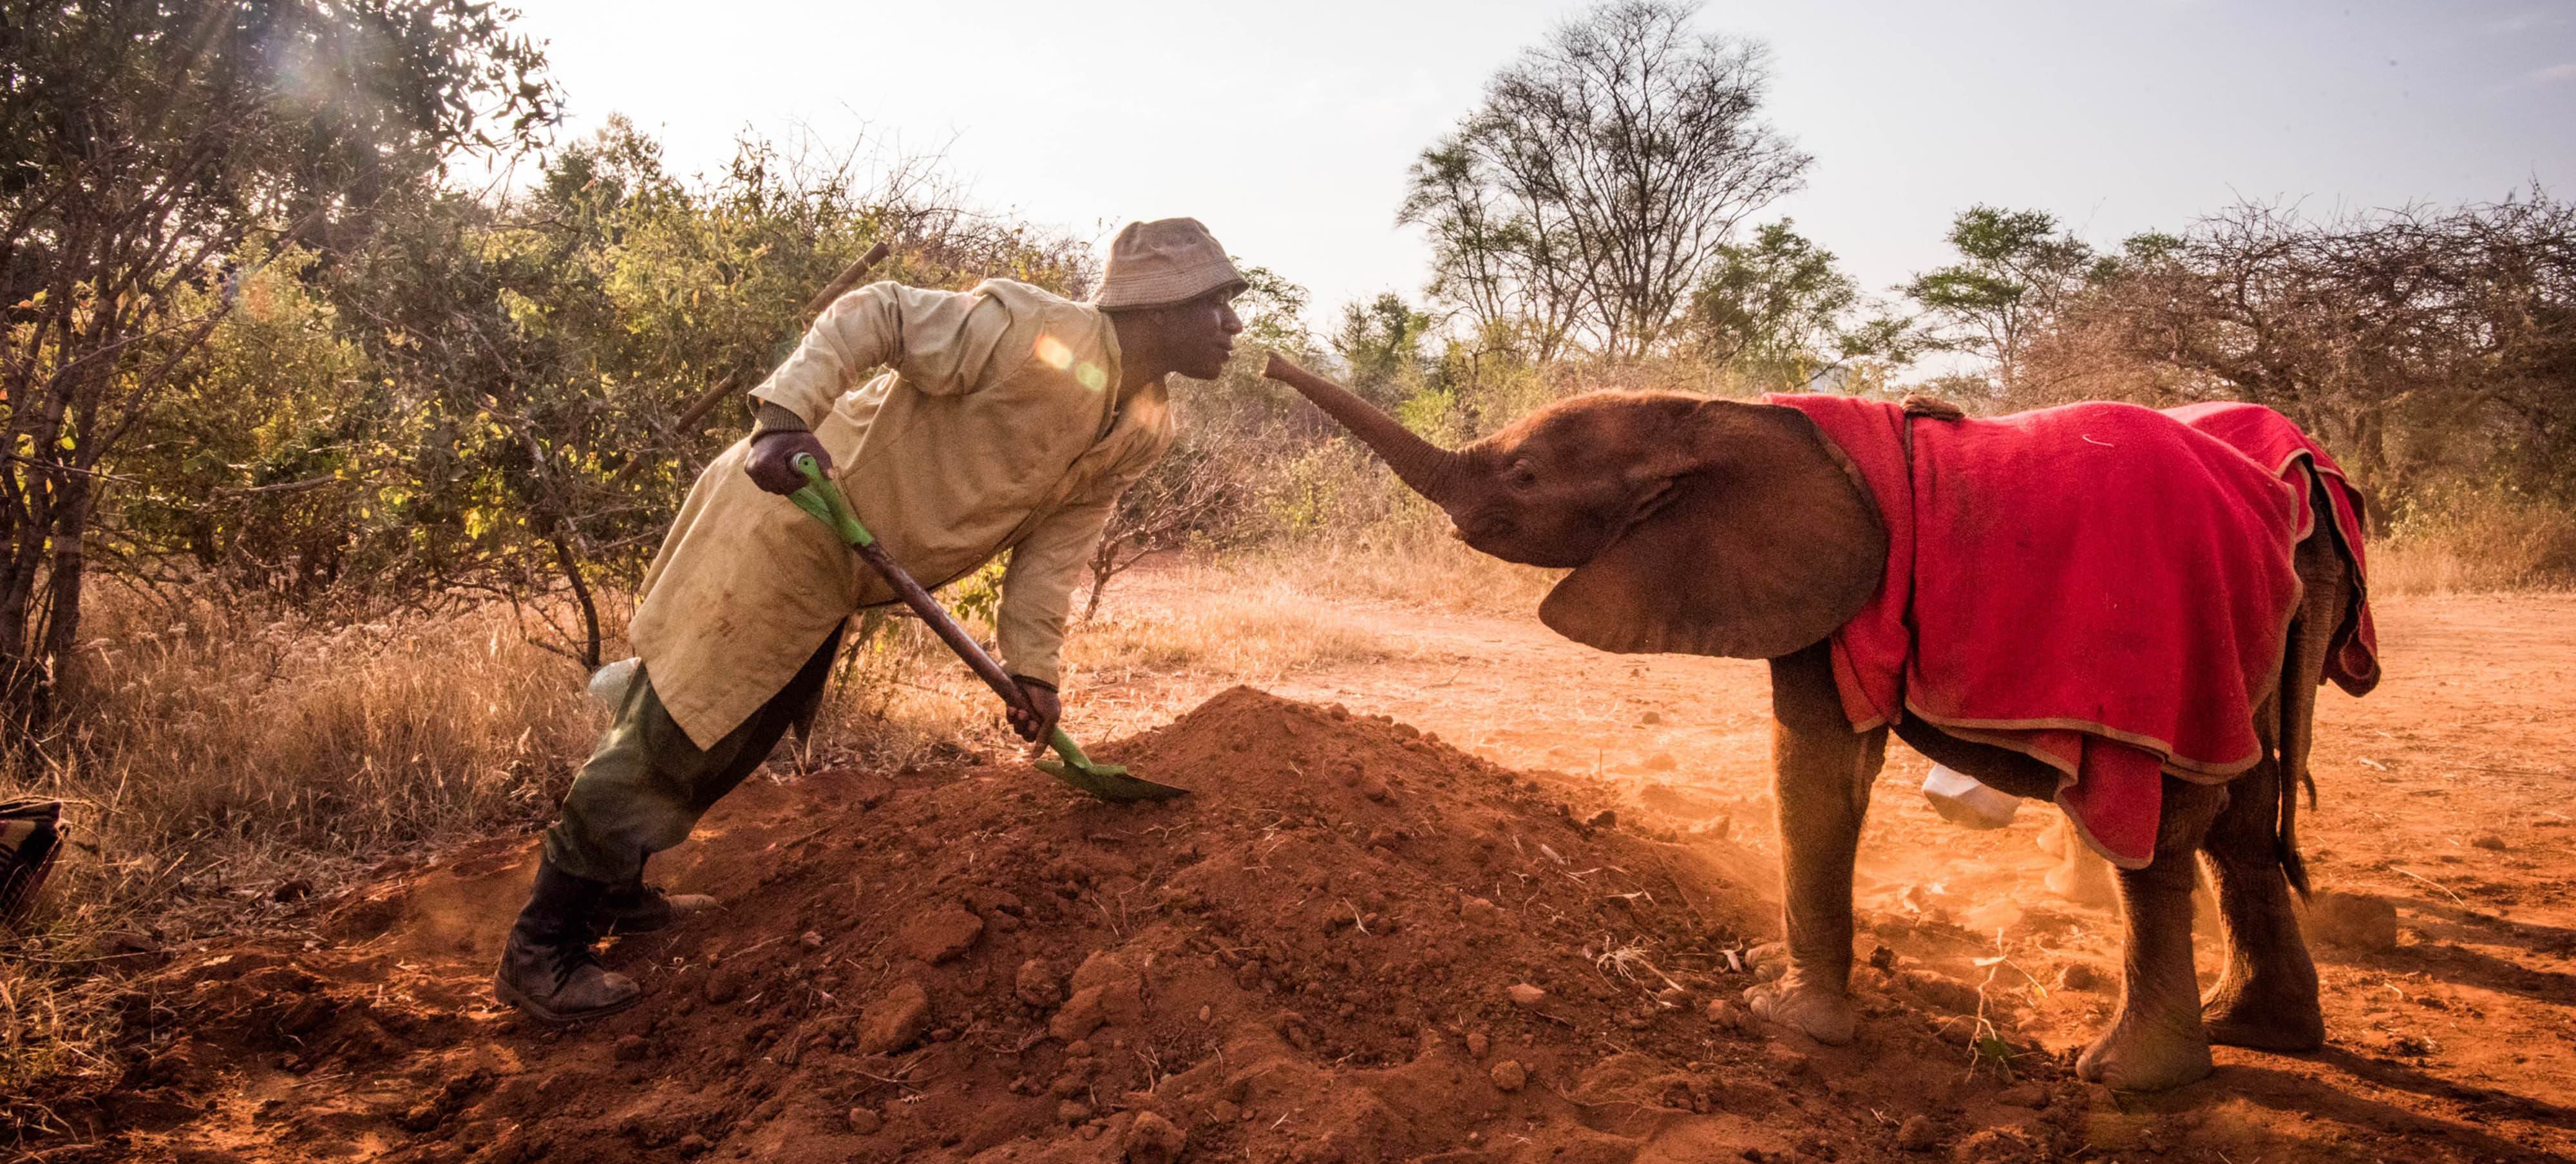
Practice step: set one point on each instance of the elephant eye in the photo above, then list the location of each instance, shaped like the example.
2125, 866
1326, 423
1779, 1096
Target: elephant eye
1523, 476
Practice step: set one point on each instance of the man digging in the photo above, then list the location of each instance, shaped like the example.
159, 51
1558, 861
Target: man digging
1008, 419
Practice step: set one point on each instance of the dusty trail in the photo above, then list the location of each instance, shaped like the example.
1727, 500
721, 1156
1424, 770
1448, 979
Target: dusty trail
1309, 962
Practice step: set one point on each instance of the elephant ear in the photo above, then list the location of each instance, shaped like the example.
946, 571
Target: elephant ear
1765, 543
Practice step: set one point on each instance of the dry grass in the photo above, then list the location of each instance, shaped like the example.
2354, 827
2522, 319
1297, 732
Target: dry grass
208, 729
2476, 542
1419, 567
1248, 625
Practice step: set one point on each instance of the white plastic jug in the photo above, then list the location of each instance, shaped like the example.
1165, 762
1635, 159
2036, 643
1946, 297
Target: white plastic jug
1962, 801
608, 685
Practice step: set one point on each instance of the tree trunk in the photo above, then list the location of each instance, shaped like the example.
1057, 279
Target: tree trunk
60, 651
20, 669
17, 672
581, 593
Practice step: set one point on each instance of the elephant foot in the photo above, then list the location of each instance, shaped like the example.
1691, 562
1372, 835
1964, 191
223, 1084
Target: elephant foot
2241, 1014
2136, 1055
1827, 1016
2054, 837
2083, 877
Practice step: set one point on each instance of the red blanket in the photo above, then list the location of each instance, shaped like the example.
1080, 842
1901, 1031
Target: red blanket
2104, 587
2279, 445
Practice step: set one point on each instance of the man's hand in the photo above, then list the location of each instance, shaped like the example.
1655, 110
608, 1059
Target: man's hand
1038, 729
772, 463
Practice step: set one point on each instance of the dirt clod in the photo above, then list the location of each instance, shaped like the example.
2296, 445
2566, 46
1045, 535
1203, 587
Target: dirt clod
895, 1021
1151, 1139
1995, 1146
1917, 1134
2358, 920
1036, 984
1508, 1075
1526, 996
940, 935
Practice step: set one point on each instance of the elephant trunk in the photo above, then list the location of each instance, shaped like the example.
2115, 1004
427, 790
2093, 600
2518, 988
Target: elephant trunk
1426, 468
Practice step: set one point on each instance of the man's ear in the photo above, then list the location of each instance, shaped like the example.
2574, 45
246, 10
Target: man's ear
1765, 544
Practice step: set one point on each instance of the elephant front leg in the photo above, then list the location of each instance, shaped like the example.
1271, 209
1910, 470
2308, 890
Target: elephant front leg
2157, 1041
1823, 772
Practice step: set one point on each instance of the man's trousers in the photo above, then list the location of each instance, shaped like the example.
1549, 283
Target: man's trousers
645, 784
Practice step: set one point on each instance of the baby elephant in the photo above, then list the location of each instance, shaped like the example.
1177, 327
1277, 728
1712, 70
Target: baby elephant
2124, 611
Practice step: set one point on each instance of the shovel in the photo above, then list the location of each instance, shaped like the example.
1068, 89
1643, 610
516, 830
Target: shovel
1109, 782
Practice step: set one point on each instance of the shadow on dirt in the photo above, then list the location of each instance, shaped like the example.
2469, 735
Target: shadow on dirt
2338, 1117
2319, 1099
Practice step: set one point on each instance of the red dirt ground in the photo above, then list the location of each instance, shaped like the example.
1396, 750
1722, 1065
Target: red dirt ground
1312, 959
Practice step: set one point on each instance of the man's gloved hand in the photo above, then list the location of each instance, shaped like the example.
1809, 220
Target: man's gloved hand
1040, 728
772, 463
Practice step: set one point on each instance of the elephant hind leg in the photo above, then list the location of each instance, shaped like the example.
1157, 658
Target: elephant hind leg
2157, 1041
2266, 999
2081, 875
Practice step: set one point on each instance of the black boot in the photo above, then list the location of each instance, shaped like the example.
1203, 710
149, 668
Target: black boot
547, 969
637, 908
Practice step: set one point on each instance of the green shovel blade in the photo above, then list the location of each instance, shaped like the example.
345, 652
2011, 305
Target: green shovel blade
1106, 781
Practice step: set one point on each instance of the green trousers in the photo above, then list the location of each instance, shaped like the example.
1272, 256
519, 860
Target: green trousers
645, 785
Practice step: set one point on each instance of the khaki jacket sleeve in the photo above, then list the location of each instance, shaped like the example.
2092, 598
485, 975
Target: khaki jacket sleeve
1037, 587
940, 342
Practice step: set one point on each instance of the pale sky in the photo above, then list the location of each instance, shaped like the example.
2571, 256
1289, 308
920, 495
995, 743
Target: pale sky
1287, 127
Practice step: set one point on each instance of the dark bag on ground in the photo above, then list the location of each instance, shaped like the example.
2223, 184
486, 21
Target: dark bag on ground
31, 831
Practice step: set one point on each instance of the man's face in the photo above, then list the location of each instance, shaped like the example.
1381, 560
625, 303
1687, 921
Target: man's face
1200, 333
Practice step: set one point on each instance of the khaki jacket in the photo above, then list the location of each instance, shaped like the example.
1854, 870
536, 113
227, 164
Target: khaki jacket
997, 427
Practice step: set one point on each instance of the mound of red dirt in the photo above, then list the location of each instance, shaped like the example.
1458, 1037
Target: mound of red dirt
1354, 943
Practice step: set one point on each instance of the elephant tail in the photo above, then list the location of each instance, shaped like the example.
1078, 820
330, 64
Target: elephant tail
2286, 845
2325, 590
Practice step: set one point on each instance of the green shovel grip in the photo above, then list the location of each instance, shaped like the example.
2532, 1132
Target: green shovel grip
820, 498
1071, 751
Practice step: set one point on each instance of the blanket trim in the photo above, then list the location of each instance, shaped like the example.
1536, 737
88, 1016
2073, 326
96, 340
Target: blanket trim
2218, 772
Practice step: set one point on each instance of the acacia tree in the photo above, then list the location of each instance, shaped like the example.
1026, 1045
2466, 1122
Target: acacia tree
2016, 271
1380, 342
1779, 310
1590, 192
147, 144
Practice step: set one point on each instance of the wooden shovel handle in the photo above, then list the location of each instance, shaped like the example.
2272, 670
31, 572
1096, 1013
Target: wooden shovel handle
848, 278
